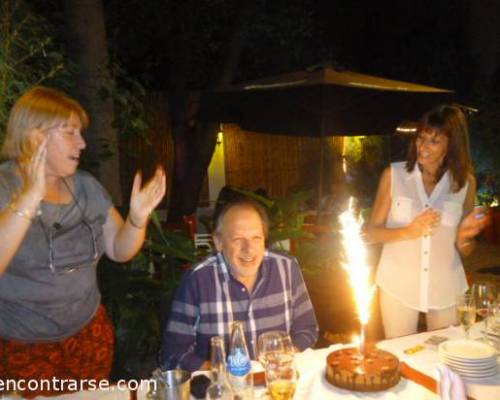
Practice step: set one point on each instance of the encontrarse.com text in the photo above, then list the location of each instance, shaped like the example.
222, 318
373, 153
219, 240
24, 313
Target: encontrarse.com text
56, 385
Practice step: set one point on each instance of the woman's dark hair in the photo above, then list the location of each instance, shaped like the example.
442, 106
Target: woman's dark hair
450, 121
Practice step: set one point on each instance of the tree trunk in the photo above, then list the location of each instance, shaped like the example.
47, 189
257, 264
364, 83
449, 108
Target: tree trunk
87, 45
195, 143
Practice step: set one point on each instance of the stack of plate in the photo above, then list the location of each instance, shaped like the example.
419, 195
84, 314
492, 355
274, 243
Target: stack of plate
469, 358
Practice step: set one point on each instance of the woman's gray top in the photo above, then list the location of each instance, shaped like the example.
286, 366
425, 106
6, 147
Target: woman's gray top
49, 290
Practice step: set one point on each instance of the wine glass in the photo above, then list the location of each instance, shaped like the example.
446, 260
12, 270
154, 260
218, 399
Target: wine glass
492, 331
484, 295
495, 313
466, 311
281, 380
275, 347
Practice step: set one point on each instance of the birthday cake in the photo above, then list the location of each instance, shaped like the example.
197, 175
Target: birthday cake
377, 370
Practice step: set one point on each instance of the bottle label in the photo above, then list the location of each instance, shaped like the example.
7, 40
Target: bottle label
238, 363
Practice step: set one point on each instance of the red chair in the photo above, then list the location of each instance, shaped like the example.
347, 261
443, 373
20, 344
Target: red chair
190, 225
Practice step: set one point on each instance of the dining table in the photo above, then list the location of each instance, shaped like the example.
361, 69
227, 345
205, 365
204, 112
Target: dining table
419, 374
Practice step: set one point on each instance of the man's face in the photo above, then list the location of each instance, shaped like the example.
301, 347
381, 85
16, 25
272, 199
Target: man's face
241, 240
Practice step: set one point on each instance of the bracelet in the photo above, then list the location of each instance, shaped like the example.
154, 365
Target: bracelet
22, 213
134, 224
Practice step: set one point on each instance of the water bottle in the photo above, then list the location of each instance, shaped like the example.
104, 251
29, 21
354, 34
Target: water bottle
239, 367
219, 388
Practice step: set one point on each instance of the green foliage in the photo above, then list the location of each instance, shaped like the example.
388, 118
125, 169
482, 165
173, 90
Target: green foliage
135, 294
485, 142
354, 147
317, 255
285, 215
28, 55
366, 157
128, 96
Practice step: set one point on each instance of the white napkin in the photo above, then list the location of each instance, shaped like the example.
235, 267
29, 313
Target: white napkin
451, 386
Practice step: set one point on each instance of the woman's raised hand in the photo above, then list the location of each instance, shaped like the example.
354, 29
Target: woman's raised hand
472, 224
144, 200
33, 165
424, 224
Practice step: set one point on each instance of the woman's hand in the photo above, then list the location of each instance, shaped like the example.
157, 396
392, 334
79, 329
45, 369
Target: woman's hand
472, 225
123, 240
423, 224
144, 201
33, 166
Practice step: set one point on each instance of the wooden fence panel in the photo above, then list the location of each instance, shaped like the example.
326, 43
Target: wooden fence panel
278, 163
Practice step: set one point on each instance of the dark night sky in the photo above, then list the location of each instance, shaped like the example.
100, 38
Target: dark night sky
418, 41
421, 41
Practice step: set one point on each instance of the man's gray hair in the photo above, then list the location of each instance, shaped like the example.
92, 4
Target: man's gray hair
243, 203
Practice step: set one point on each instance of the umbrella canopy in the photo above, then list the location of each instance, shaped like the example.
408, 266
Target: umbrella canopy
321, 102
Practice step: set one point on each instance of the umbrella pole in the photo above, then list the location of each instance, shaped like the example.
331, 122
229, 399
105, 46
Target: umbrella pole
321, 164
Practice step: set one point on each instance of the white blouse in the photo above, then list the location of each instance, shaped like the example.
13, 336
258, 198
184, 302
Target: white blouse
424, 273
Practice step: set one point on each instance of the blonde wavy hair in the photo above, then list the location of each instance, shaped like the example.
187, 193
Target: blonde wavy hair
39, 108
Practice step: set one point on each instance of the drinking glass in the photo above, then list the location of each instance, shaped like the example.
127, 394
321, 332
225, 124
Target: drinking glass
288, 346
275, 347
484, 295
281, 380
495, 314
492, 329
466, 311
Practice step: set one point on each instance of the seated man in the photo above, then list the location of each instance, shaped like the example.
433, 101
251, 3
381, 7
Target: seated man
242, 282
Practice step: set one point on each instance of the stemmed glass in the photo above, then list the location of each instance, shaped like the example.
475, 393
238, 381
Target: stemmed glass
466, 311
275, 347
484, 295
492, 331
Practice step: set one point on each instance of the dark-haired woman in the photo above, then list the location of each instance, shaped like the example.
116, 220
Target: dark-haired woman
424, 215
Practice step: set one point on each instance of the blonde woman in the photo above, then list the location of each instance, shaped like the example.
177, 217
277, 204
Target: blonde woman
55, 223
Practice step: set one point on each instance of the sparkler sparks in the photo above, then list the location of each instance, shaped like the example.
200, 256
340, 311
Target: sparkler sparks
356, 266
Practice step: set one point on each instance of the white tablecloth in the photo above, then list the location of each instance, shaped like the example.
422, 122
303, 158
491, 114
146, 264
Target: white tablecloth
426, 361
312, 384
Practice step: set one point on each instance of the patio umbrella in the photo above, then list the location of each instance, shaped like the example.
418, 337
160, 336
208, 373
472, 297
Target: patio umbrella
320, 101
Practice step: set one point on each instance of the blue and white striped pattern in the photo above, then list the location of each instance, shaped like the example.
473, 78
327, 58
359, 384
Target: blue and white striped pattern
209, 299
